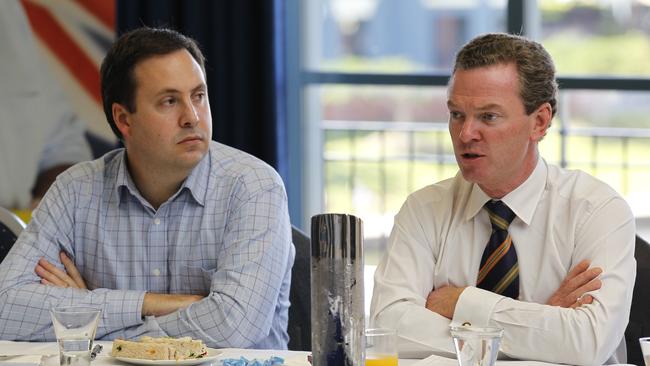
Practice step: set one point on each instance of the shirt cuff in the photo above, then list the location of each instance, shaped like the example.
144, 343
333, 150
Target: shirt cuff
123, 309
475, 306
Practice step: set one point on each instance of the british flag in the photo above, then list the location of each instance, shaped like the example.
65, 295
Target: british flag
74, 36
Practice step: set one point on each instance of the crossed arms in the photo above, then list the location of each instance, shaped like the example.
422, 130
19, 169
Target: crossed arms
153, 304
221, 316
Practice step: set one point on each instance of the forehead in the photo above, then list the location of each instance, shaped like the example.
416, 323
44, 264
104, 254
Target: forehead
176, 70
484, 84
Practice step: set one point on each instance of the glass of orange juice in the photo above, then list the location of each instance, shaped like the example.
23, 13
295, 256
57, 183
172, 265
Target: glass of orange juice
381, 347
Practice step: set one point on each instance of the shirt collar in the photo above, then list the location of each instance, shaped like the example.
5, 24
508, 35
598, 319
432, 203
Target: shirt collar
522, 201
196, 183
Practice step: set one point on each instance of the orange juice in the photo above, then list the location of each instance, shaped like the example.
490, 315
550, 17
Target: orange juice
381, 360
24, 215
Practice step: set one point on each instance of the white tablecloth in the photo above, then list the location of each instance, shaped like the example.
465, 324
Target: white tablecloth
46, 354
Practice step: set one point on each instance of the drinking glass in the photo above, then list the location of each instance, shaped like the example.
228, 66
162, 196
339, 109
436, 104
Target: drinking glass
381, 347
476, 346
75, 328
645, 349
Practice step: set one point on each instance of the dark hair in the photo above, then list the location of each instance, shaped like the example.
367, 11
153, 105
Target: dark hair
537, 84
118, 82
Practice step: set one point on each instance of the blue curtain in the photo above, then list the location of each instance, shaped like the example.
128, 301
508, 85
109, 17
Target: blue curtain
241, 40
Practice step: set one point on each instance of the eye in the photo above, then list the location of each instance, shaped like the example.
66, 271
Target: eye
455, 115
199, 96
489, 117
169, 101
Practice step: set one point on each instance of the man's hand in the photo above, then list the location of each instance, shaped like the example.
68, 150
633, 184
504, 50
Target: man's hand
163, 304
580, 280
52, 275
443, 300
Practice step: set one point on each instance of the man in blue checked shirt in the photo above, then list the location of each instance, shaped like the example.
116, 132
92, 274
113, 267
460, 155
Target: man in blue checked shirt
175, 235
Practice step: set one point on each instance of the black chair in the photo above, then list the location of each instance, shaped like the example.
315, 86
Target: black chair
299, 327
10, 227
639, 324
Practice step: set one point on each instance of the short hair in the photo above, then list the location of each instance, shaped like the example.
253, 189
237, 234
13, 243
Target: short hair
118, 82
535, 68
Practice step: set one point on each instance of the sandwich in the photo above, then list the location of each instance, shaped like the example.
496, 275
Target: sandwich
149, 348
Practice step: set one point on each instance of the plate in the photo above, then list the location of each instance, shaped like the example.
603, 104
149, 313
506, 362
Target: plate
211, 356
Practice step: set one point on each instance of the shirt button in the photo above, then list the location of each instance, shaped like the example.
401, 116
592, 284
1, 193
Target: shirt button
156, 272
156, 221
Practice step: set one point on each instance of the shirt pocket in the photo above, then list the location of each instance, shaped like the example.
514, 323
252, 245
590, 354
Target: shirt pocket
195, 280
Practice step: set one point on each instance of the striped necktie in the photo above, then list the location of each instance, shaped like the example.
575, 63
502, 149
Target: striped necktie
499, 271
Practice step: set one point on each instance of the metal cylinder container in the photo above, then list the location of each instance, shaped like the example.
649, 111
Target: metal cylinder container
337, 315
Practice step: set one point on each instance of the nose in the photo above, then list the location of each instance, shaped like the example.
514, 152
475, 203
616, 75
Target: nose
469, 131
190, 115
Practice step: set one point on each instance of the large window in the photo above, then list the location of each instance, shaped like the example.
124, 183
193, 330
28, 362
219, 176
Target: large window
374, 75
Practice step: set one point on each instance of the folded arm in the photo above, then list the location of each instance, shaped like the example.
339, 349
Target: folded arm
153, 304
239, 310
25, 302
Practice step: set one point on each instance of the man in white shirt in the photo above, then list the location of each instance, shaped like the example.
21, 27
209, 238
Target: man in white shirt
558, 278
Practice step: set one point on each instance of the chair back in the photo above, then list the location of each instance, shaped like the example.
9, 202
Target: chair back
639, 324
10, 227
299, 327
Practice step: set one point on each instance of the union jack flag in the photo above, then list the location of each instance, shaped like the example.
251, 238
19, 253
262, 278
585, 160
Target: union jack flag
75, 35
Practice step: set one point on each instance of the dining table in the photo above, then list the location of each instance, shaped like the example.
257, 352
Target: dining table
46, 354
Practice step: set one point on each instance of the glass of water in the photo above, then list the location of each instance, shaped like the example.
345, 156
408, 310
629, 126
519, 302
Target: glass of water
476, 346
645, 348
75, 328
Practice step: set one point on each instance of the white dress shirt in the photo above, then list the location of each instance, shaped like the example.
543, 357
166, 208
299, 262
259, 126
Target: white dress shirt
563, 217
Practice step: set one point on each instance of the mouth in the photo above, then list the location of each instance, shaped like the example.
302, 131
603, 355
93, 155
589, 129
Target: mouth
190, 139
471, 156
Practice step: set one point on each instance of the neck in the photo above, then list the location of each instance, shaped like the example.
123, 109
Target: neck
500, 189
156, 185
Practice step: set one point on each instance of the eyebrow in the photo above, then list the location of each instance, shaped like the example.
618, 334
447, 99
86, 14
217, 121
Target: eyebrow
200, 87
490, 106
486, 107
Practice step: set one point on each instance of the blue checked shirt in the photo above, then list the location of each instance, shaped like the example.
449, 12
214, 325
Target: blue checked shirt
225, 234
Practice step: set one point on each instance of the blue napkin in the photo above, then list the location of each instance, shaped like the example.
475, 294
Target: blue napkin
243, 361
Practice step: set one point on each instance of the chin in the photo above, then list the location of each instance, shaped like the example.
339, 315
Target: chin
192, 158
473, 176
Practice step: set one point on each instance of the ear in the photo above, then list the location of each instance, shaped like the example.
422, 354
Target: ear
122, 119
541, 121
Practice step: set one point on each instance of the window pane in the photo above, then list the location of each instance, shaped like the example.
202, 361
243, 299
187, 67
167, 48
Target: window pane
597, 37
380, 144
608, 136
397, 36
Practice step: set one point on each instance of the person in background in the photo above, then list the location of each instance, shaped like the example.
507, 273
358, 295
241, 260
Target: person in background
511, 241
41, 135
174, 235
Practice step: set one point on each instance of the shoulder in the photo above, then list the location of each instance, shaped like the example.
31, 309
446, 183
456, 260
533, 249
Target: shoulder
583, 193
89, 179
443, 193
92, 171
436, 201
576, 185
238, 167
